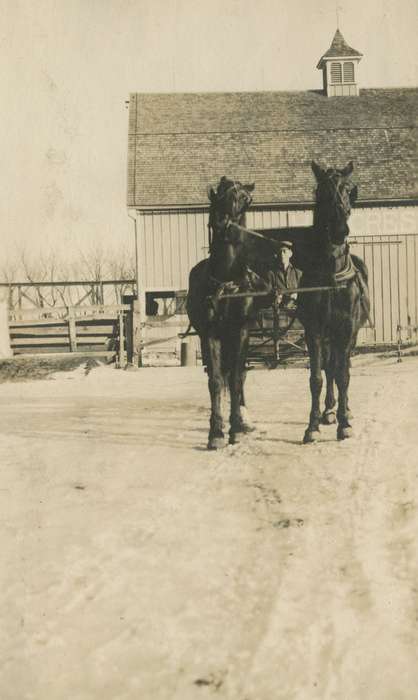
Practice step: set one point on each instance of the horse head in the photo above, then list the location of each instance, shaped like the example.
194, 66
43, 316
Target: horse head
335, 195
229, 202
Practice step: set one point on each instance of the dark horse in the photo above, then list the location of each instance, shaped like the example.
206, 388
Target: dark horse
333, 318
223, 323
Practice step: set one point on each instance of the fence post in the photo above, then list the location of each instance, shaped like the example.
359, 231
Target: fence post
276, 341
72, 330
136, 333
129, 299
121, 341
399, 342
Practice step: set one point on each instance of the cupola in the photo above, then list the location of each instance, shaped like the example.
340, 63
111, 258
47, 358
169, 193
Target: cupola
339, 68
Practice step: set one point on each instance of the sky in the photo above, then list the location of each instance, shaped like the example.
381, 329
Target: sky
68, 67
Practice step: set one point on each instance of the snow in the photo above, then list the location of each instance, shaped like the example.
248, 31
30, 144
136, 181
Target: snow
135, 564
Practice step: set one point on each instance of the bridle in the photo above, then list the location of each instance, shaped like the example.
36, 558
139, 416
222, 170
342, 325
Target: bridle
333, 249
227, 218
344, 205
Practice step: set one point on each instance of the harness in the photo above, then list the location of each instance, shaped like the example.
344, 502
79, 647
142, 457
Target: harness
351, 272
249, 284
218, 289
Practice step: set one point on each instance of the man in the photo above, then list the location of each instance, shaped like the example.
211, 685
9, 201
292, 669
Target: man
284, 276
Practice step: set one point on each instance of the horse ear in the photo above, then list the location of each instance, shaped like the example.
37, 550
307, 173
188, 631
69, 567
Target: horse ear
348, 169
250, 188
317, 170
353, 194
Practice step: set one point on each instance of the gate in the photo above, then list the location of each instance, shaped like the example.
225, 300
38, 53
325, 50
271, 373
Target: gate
88, 329
393, 282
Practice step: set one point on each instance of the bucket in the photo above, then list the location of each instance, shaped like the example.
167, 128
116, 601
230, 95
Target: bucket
187, 355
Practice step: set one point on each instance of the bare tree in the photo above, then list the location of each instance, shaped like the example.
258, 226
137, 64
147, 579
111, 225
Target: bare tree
95, 265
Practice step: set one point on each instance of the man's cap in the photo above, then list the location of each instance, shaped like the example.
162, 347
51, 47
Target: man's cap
284, 244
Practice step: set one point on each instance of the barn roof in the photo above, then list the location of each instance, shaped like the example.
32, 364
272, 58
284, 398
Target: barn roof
180, 143
340, 48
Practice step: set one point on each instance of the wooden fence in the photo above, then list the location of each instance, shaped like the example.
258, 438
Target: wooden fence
98, 328
45, 295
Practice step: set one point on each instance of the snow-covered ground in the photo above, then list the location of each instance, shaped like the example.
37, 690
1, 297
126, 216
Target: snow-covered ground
136, 565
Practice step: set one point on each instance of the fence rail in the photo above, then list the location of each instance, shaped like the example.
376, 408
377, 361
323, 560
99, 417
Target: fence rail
32, 294
71, 328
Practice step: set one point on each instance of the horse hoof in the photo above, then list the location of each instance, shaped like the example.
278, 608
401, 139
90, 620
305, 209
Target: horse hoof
216, 443
328, 418
344, 433
310, 436
245, 425
235, 438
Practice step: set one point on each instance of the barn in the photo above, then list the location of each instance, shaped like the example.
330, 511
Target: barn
181, 143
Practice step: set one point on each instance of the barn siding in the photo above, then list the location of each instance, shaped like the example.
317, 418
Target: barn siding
170, 243
384, 220
393, 277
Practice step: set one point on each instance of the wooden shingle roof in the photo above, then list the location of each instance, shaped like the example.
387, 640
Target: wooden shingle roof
180, 143
340, 48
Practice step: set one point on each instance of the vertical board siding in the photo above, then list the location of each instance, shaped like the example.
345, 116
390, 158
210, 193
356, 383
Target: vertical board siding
393, 273
171, 243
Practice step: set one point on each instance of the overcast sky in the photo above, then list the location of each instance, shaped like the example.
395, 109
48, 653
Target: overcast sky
69, 65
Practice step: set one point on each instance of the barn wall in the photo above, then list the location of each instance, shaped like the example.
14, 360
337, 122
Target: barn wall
371, 221
170, 243
384, 220
392, 261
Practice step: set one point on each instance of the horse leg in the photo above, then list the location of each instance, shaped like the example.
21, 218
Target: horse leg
216, 437
329, 415
239, 349
342, 376
353, 345
246, 421
314, 347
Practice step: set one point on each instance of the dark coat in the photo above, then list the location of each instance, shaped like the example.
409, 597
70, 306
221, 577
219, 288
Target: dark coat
283, 280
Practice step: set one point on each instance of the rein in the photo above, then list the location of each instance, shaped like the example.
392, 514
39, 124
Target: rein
247, 230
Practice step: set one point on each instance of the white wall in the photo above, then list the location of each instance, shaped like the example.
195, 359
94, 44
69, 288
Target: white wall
169, 244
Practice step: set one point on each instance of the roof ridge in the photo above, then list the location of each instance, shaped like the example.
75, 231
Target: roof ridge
307, 91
